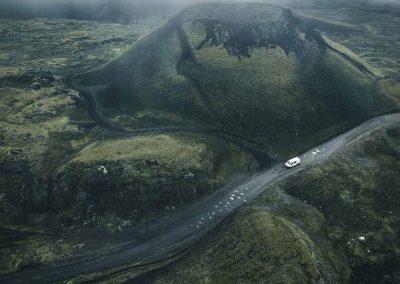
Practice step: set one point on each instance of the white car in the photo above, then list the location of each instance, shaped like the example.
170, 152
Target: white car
293, 162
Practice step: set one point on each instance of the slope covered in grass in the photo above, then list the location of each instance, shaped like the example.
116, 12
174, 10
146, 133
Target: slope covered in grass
51, 149
271, 250
252, 69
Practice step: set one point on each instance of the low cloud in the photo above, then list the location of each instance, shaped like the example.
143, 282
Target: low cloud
385, 2
125, 11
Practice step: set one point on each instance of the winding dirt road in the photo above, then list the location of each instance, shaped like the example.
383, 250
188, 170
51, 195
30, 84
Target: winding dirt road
199, 219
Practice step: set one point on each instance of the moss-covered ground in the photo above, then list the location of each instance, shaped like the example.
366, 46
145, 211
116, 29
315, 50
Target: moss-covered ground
270, 249
371, 31
62, 46
343, 213
61, 174
30, 252
358, 193
141, 176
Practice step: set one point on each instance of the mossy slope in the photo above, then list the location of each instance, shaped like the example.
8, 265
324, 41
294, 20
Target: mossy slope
358, 194
143, 176
51, 149
253, 69
254, 247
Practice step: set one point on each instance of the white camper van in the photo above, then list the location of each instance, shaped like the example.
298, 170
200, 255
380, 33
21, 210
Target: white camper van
293, 162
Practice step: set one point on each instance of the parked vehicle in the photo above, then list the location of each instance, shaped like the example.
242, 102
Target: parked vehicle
293, 162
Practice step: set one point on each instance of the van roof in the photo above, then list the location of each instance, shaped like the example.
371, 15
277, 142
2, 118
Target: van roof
296, 159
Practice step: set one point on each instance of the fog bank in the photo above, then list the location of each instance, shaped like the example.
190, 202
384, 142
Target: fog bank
128, 11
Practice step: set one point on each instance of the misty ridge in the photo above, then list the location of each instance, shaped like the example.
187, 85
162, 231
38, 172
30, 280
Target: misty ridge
385, 2
119, 11
130, 11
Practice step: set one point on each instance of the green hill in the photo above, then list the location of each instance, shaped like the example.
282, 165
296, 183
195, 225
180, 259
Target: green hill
53, 156
254, 70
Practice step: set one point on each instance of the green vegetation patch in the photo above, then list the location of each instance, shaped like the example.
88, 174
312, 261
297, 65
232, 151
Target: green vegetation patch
148, 80
163, 148
143, 176
63, 46
358, 194
254, 246
32, 252
53, 158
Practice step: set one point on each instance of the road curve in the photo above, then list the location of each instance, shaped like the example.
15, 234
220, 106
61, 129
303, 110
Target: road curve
264, 157
200, 218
